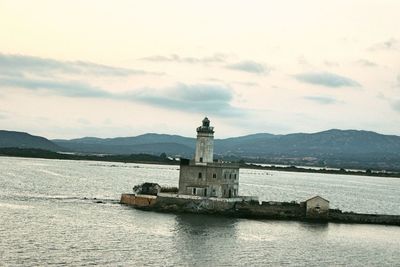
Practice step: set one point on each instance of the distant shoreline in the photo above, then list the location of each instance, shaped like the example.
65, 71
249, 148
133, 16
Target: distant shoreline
323, 170
46, 154
151, 159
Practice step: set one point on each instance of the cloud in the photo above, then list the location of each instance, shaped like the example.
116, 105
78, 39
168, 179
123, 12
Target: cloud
3, 116
325, 100
396, 83
366, 63
249, 84
396, 105
204, 98
390, 44
326, 79
65, 88
18, 65
190, 60
302, 60
249, 66
331, 63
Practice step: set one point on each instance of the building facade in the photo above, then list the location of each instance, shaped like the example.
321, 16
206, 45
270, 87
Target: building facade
205, 177
317, 207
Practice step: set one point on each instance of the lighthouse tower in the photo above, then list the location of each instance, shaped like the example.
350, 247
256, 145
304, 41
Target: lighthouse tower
203, 177
205, 143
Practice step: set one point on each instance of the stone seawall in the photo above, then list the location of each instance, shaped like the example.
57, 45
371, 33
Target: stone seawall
175, 203
351, 217
272, 210
194, 205
138, 201
238, 207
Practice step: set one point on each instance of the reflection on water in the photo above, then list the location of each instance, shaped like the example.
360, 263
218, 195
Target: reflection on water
319, 227
202, 239
66, 213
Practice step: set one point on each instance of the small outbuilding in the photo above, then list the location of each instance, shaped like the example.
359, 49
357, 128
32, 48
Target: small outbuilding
317, 207
147, 189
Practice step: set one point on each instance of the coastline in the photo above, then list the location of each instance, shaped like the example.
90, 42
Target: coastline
249, 209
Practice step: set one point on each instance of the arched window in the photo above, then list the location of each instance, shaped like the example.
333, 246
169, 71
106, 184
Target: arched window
200, 175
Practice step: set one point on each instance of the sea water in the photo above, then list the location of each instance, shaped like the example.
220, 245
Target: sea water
66, 213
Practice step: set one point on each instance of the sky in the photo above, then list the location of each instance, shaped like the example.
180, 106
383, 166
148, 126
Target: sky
70, 69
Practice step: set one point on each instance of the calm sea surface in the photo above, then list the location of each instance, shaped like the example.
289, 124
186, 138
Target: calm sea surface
49, 216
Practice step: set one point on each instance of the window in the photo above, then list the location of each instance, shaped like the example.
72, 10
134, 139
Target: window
230, 176
234, 176
214, 175
201, 159
194, 191
200, 175
225, 175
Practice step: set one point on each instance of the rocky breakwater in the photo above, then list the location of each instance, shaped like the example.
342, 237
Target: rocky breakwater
150, 197
166, 202
352, 217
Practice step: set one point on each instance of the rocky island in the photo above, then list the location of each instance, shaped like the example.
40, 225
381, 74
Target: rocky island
212, 187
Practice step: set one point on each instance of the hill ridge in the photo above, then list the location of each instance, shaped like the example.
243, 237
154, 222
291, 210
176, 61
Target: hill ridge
333, 147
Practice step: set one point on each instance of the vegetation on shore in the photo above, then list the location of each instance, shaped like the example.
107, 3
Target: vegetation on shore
46, 154
163, 159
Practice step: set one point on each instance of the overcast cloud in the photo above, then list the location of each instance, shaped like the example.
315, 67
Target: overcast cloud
325, 100
249, 66
326, 79
260, 67
191, 60
202, 98
21, 64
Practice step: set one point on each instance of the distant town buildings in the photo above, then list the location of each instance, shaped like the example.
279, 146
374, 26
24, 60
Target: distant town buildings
205, 177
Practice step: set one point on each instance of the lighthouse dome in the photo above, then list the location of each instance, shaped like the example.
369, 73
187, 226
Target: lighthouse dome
206, 122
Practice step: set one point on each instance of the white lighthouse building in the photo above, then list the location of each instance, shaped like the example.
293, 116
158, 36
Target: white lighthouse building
205, 143
204, 177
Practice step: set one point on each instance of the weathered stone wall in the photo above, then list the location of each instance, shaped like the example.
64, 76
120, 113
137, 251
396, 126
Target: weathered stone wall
276, 210
247, 209
217, 179
317, 207
194, 205
138, 200
350, 217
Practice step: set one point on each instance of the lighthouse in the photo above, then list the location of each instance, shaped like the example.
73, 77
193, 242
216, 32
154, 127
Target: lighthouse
202, 177
205, 143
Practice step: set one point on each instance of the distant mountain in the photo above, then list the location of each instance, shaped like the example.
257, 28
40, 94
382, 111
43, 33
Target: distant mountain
25, 140
335, 148
332, 142
339, 148
332, 148
149, 138
147, 143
